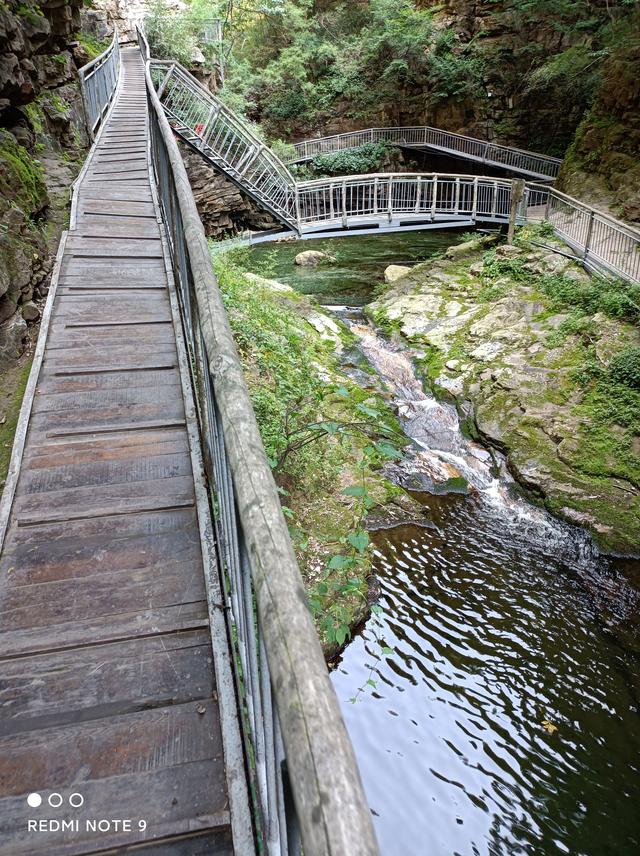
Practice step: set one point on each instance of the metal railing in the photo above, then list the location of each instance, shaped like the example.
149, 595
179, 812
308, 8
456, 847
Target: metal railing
603, 243
215, 131
522, 161
302, 769
98, 82
388, 200
405, 196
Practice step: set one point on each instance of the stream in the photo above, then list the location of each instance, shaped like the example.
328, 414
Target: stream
505, 720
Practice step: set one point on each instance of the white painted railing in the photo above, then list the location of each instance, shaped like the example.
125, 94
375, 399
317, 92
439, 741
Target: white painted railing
98, 81
522, 161
402, 197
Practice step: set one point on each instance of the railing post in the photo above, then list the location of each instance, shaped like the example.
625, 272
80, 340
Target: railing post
587, 242
517, 192
390, 200
297, 204
456, 204
434, 197
485, 152
474, 204
344, 204
418, 194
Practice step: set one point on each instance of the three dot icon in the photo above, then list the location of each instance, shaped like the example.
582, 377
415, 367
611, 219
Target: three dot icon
55, 800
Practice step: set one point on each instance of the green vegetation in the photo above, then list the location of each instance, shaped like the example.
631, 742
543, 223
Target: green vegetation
21, 176
325, 437
370, 157
13, 385
180, 34
93, 47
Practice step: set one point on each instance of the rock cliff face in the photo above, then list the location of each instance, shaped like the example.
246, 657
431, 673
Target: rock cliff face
603, 163
223, 209
42, 136
100, 18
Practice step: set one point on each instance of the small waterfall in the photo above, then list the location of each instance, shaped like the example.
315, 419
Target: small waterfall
440, 456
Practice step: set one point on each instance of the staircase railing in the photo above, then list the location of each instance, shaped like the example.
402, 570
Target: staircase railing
210, 127
531, 164
300, 761
98, 82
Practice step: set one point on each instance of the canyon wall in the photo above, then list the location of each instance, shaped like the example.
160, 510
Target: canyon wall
42, 142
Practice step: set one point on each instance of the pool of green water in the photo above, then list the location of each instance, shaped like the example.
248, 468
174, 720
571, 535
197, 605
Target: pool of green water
359, 265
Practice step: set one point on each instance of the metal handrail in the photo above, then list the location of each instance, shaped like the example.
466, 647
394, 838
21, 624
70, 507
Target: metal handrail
209, 126
297, 743
408, 197
603, 243
98, 82
520, 160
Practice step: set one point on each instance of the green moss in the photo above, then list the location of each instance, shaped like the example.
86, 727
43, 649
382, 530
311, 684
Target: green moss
21, 176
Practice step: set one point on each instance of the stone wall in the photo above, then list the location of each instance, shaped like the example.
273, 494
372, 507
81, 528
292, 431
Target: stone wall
98, 20
42, 142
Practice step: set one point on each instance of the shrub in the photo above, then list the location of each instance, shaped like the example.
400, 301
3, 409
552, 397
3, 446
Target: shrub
625, 367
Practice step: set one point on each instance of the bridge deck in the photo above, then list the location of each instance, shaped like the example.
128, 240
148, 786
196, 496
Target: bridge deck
107, 686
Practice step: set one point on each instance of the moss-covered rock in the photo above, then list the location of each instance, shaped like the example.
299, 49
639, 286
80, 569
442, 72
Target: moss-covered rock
522, 339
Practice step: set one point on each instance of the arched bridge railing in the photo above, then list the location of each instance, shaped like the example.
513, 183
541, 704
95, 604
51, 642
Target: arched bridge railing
393, 198
529, 164
98, 82
300, 760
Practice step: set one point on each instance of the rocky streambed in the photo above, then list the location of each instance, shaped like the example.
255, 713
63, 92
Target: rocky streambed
525, 344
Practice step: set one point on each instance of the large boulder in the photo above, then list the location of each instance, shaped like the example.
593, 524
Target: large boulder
394, 272
311, 258
12, 337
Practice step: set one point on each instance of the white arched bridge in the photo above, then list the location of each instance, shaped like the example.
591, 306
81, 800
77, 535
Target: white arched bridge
329, 207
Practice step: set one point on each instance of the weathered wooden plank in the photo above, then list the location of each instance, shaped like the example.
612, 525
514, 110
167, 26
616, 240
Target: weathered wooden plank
149, 334
111, 679
76, 556
103, 500
85, 381
163, 766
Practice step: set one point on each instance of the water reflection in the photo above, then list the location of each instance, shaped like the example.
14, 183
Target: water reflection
506, 719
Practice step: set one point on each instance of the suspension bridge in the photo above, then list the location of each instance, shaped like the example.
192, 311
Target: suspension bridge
162, 687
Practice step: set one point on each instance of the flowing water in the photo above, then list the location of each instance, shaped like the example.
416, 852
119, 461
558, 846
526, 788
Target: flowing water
494, 701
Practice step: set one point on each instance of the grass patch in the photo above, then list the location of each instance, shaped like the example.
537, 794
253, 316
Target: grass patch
16, 381
325, 437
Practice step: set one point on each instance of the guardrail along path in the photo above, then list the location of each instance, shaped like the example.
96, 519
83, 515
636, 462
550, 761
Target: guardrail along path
107, 683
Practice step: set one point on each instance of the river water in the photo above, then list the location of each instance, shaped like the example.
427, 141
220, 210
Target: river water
493, 700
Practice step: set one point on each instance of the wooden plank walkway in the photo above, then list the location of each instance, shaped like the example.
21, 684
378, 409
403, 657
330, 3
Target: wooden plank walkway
107, 685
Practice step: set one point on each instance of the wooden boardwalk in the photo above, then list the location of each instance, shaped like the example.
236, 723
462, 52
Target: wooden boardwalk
107, 684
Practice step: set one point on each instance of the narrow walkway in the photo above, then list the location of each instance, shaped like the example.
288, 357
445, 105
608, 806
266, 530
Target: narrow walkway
107, 687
